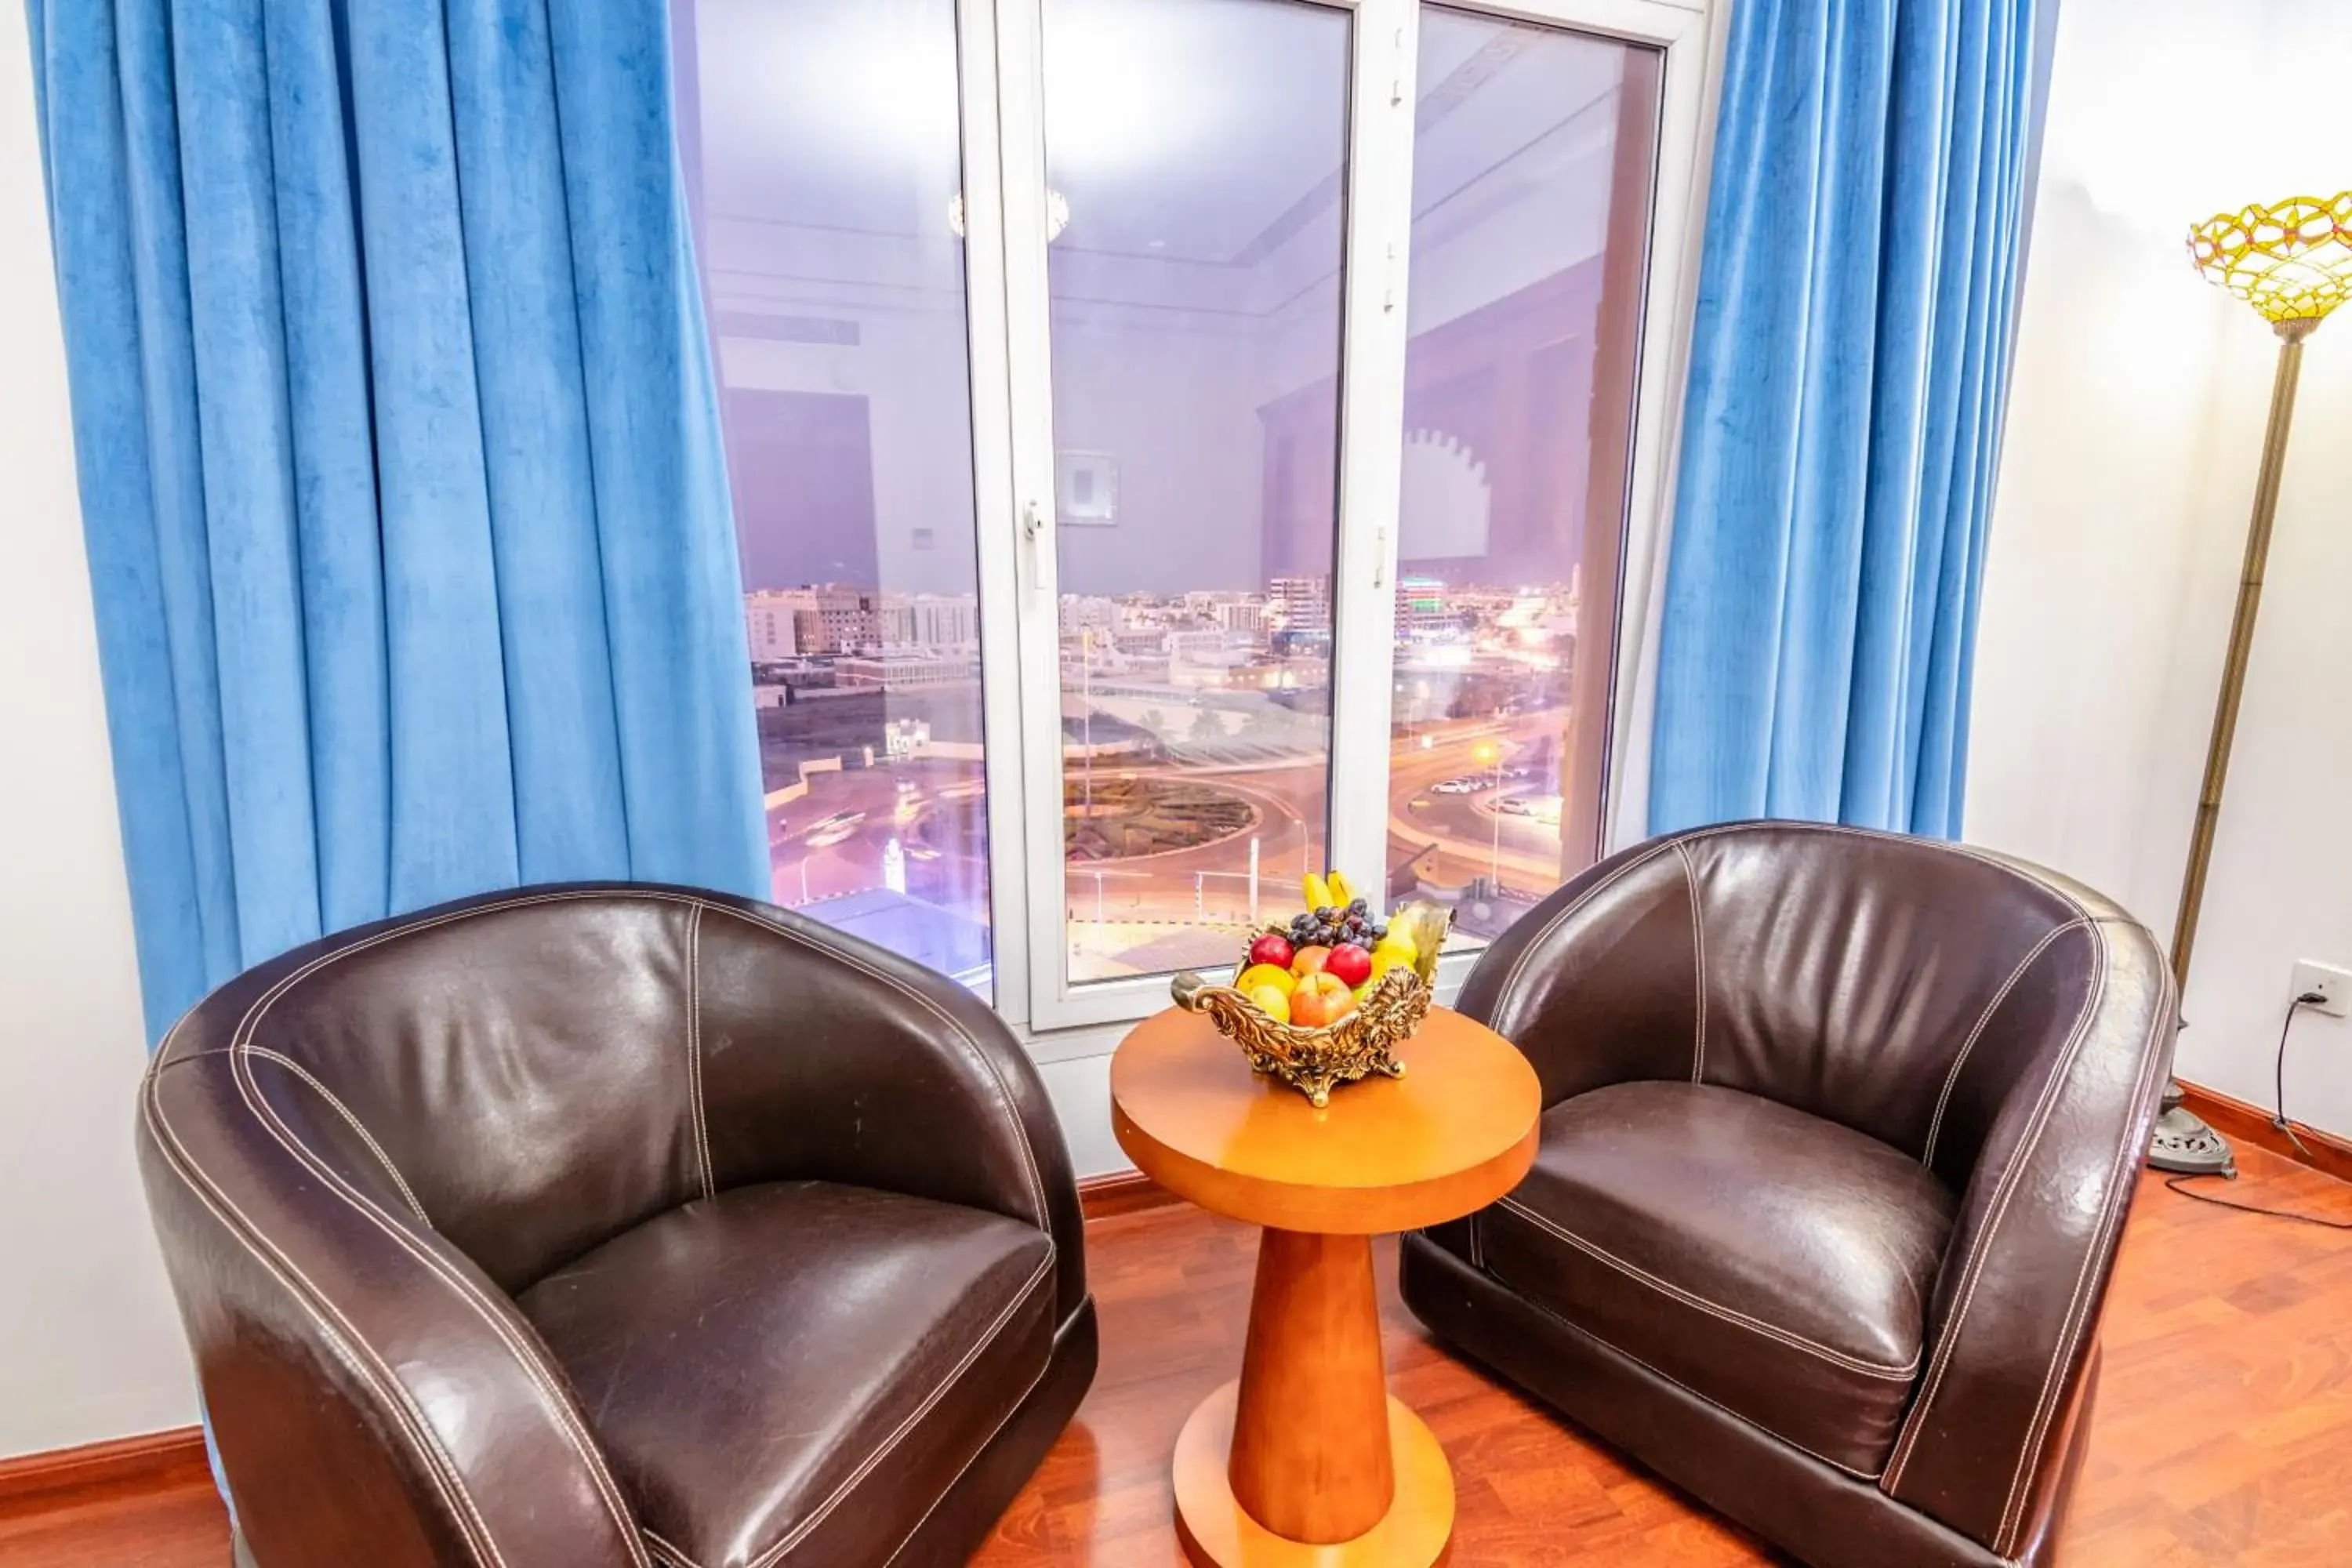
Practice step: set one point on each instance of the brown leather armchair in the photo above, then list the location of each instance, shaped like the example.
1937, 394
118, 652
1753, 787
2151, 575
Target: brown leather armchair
615, 1225
1841, 1132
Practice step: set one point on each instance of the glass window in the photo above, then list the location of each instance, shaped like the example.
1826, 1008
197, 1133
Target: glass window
1176, 409
1195, 161
1531, 189
821, 145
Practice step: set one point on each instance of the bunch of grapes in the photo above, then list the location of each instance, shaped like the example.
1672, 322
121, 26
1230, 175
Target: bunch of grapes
1328, 927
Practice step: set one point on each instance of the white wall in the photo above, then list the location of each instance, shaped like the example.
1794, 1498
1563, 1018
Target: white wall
2133, 433
90, 1347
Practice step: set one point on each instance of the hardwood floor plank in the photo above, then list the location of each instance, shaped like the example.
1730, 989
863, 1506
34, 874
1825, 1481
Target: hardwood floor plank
2222, 1435
181, 1527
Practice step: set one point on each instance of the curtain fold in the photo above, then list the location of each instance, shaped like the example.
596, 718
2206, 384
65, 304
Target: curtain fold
1848, 366
400, 465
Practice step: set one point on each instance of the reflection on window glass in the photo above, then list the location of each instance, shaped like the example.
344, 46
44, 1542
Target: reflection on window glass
1531, 195
1196, 157
820, 142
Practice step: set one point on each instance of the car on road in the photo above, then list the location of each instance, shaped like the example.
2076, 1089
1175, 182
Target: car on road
1458, 786
1544, 808
829, 831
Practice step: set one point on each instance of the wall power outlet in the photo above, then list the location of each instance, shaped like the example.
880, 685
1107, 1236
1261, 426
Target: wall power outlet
2333, 986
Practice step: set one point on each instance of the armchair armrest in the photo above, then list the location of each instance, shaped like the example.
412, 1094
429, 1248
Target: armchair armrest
1600, 983
2064, 1083
824, 1055
335, 1333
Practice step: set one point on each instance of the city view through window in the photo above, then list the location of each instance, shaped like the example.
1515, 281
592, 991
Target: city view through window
1533, 160
1195, 286
822, 145
1194, 291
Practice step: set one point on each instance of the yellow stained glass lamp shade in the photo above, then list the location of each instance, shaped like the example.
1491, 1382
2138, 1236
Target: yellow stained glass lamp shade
2291, 260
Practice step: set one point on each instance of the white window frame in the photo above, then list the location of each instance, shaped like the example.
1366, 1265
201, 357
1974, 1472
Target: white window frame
1011, 402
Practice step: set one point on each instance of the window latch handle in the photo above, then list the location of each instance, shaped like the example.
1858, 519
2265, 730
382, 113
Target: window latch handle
1033, 534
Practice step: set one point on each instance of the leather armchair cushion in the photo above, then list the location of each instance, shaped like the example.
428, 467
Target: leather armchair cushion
762, 1366
1774, 1263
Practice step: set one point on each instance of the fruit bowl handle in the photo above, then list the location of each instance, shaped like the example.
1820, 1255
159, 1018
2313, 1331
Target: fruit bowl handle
1192, 990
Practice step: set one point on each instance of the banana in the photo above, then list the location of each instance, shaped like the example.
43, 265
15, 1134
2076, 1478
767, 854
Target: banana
1318, 891
1424, 925
1338, 887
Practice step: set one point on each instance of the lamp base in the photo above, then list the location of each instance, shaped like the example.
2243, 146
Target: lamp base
2182, 1143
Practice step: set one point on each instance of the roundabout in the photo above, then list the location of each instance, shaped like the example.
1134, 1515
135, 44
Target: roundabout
1131, 816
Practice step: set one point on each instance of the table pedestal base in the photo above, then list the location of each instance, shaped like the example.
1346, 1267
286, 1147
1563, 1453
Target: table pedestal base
1218, 1532
1306, 1460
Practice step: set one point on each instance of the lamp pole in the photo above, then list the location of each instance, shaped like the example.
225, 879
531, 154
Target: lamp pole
1491, 754
1495, 842
2291, 334
2291, 260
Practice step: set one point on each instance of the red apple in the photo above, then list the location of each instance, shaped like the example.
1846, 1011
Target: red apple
1308, 959
1351, 963
1320, 999
1271, 948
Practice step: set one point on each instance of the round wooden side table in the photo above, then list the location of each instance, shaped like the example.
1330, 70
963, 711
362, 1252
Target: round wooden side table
1308, 1459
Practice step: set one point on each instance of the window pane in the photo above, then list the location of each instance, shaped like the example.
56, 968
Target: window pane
1532, 171
1195, 157
821, 145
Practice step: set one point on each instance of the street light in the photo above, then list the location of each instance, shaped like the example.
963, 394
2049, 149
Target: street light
1087, 724
1490, 755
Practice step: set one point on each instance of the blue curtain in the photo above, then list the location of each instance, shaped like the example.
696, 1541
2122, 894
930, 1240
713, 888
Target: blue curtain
399, 457
1842, 421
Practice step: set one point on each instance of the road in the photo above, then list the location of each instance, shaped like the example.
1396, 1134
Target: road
1462, 835
1178, 907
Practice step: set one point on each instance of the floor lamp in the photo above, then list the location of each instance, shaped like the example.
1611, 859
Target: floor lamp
2292, 261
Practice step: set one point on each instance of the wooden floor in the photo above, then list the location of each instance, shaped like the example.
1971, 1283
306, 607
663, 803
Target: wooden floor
2222, 1435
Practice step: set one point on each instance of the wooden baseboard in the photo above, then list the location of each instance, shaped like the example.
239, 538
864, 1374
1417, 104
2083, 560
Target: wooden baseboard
1122, 1192
2251, 1124
103, 1472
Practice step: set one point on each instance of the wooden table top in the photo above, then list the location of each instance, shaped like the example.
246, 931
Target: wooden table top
1453, 1134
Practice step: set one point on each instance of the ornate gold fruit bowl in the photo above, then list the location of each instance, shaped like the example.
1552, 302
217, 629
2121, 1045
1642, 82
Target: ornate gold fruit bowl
1315, 1060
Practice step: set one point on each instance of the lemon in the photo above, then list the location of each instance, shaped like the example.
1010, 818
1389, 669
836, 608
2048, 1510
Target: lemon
1258, 975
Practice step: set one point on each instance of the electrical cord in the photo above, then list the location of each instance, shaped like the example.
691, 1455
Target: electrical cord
2173, 1182
2280, 1119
